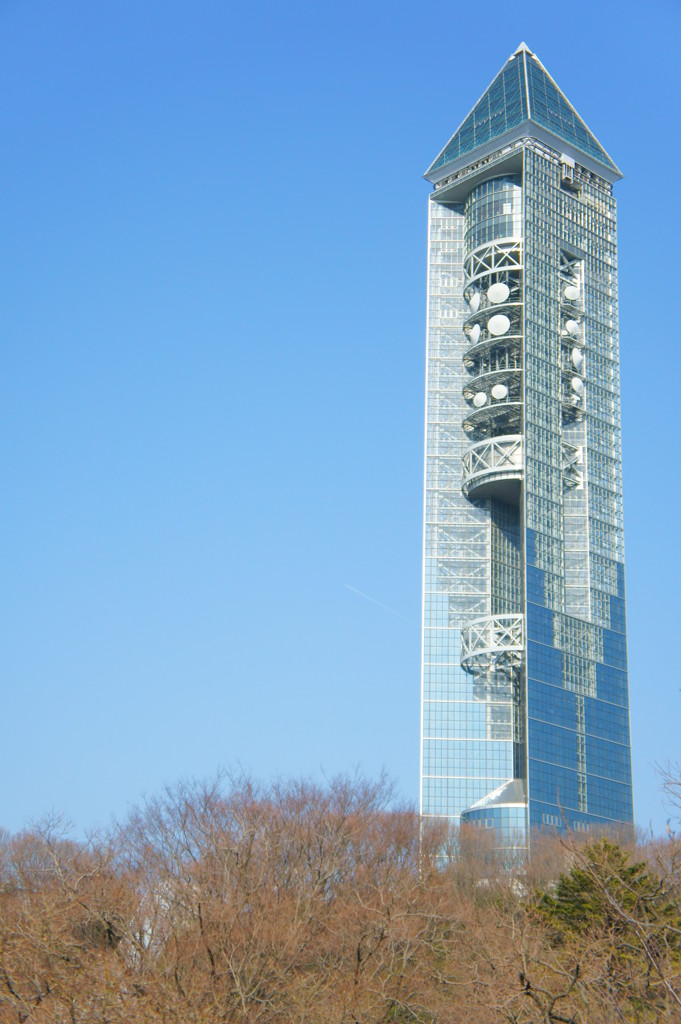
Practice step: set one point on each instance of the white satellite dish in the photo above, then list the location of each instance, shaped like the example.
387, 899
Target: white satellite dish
577, 358
577, 385
474, 333
498, 324
571, 292
474, 301
498, 292
572, 328
499, 392
479, 400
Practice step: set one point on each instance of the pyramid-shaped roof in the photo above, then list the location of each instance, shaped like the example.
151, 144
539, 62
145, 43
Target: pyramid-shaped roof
523, 91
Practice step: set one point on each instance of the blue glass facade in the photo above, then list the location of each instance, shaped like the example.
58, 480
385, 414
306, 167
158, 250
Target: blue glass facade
525, 717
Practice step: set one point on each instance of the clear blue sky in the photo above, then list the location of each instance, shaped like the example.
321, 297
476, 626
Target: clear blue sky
213, 302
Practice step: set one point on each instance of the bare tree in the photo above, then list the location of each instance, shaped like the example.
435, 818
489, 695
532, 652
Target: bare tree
227, 901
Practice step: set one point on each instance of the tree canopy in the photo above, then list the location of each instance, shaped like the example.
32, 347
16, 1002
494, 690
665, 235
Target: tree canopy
227, 902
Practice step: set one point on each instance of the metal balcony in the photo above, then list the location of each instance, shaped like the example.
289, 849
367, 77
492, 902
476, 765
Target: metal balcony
491, 642
494, 468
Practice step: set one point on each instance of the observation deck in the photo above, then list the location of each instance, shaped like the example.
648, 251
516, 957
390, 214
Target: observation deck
491, 642
494, 468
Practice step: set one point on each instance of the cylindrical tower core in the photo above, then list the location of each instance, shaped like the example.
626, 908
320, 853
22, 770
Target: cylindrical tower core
493, 462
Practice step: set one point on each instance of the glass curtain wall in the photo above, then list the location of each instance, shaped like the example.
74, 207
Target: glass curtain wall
472, 567
577, 693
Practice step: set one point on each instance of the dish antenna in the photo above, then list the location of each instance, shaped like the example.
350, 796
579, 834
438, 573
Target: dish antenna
498, 292
498, 324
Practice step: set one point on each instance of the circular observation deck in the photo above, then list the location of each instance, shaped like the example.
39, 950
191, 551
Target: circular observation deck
497, 260
494, 469
493, 641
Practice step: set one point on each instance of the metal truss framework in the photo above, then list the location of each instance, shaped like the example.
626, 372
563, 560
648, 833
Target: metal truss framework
572, 465
491, 258
494, 641
496, 458
572, 336
493, 391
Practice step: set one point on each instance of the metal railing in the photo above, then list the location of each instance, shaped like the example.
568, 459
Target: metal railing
495, 458
495, 640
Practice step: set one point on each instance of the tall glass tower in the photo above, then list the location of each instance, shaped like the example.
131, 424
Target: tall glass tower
525, 716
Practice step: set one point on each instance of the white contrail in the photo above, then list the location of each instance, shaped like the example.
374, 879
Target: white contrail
379, 603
